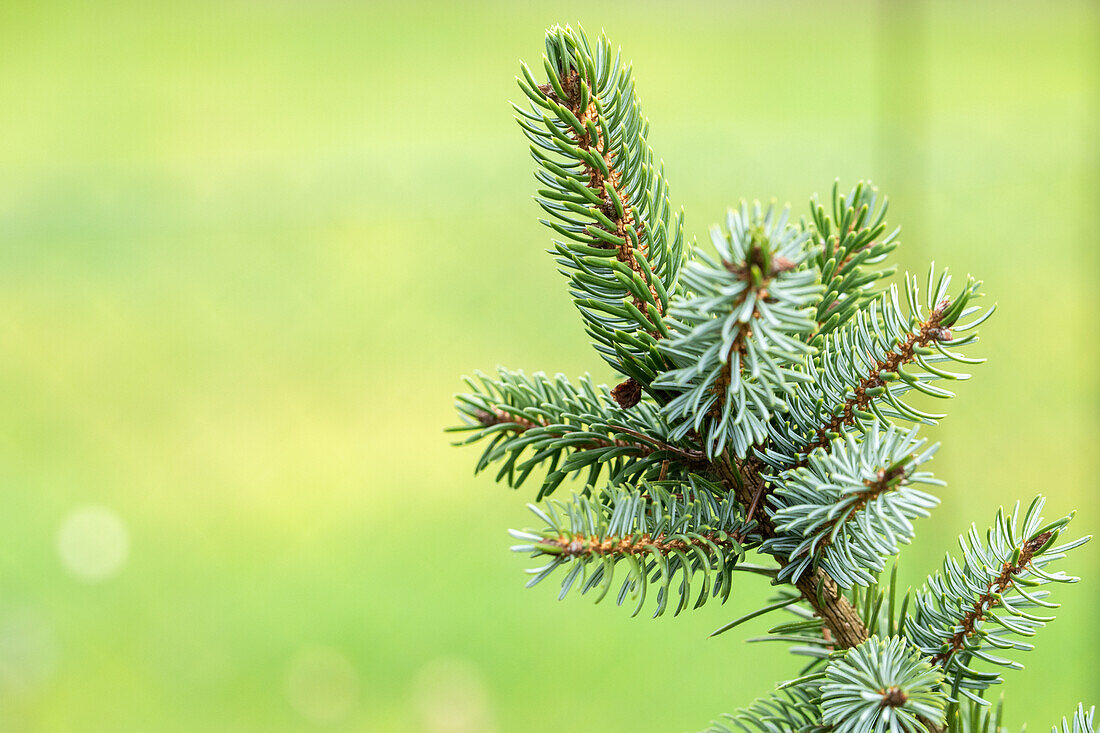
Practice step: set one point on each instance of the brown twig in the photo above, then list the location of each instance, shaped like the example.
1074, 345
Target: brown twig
577, 545
694, 456
647, 446
819, 590
874, 488
928, 331
990, 599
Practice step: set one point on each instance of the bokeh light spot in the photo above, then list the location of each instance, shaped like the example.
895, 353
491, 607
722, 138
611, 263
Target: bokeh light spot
451, 697
93, 543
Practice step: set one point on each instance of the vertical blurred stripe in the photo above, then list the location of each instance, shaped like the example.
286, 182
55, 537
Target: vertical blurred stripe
901, 152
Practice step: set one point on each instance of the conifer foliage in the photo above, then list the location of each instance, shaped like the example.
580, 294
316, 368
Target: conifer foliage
772, 390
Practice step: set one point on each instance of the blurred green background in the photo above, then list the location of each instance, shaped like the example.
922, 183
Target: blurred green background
247, 249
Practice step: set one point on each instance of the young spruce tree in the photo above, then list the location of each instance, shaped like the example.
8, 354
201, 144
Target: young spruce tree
764, 407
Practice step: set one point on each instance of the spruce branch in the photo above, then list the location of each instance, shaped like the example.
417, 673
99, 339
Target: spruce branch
759, 407
620, 245
882, 685
851, 507
863, 373
571, 429
657, 533
738, 331
850, 242
986, 599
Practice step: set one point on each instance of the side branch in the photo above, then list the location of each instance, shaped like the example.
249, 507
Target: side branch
991, 598
605, 181
874, 383
656, 537
886, 480
644, 445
